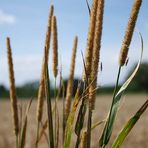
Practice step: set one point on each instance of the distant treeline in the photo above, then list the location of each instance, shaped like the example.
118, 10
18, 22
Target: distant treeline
29, 90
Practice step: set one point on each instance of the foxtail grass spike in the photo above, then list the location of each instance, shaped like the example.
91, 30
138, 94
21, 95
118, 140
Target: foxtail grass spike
94, 65
90, 38
48, 33
41, 91
129, 32
45, 60
13, 97
96, 52
70, 81
55, 46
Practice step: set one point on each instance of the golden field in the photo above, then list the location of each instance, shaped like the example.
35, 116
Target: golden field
138, 138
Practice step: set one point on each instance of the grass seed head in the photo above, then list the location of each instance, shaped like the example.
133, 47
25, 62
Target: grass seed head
48, 33
55, 46
70, 81
41, 91
90, 38
96, 52
129, 32
13, 97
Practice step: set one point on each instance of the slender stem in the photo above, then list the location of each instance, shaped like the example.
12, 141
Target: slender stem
55, 108
89, 128
63, 100
49, 109
37, 135
17, 141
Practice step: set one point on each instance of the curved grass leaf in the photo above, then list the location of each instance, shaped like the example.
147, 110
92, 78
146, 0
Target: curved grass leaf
70, 121
115, 105
128, 126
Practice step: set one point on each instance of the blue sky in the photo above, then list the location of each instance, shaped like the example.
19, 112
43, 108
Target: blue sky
25, 23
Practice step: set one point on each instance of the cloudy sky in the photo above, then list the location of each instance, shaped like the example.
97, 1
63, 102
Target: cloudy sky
25, 23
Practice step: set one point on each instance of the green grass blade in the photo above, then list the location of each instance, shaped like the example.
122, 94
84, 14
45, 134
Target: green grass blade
49, 108
128, 126
115, 104
70, 121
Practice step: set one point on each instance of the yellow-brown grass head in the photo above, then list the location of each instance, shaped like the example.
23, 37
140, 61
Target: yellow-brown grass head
90, 38
129, 32
41, 90
48, 33
96, 52
54, 46
70, 81
13, 97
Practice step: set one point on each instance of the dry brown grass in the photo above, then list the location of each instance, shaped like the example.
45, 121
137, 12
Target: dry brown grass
137, 138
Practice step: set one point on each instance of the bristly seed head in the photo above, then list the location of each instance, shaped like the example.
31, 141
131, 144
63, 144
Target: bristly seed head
48, 33
55, 46
41, 90
129, 32
13, 97
70, 81
90, 38
96, 53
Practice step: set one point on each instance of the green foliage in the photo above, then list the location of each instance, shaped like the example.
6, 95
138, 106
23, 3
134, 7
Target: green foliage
140, 82
28, 90
115, 102
129, 125
4, 93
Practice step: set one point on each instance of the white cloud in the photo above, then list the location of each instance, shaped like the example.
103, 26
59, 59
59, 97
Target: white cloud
6, 18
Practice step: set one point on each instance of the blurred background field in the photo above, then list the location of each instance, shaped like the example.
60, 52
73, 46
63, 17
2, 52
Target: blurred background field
130, 104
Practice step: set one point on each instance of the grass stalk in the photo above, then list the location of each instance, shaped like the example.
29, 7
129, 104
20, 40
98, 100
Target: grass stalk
89, 124
55, 115
37, 135
49, 109
83, 139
